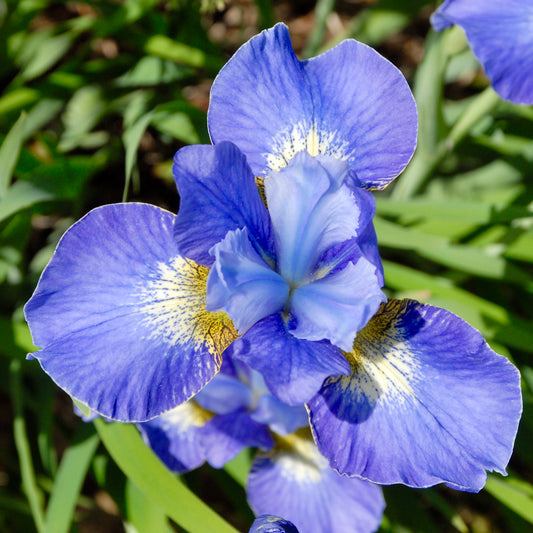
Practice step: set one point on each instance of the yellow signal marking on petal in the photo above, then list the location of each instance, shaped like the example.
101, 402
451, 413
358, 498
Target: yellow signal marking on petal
304, 137
383, 367
186, 416
173, 303
298, 457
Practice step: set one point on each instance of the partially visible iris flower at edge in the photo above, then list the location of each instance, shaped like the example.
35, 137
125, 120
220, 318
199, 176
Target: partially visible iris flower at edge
288, 476
137, 305
272, 524
500, 33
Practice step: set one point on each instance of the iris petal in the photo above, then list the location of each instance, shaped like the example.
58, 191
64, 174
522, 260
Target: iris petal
349, 103
427, 402
293, 369
295, 481
121, 318
228, 434
311, 210
218, 194
242, 284
177, 438
500, 33
337, 306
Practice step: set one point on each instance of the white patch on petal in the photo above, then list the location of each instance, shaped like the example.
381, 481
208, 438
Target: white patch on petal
304, 137
299, 459
186, 416
173, 303
384, 368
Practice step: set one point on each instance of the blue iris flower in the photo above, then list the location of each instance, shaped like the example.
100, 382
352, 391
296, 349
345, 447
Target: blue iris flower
500, 33
137, 305
426, 399
288, 476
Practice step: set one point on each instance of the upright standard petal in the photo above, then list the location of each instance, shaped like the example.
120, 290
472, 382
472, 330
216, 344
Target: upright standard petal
311, 210
218, 194
293, 369
500, 33
427, 402
349, 103
295, 481
272, 524
121, 317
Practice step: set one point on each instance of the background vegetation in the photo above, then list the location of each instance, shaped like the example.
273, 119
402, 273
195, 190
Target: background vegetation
95, 98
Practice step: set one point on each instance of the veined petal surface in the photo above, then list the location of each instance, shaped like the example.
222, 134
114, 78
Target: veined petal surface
218, 194
427, 402
500, 33
293, 369
295, 481
121, 317
349, 103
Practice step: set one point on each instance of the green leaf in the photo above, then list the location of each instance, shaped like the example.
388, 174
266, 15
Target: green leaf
514, 493
179, 125
144, 469
29, 481
458, 211
166, 48
81, 115
21, 196
470, 259
143, 514
16, 339
239, 467
152, 71
521, 247
9, 153
41, 51
69, 480
131, 138
17, 98
499, 324
323, 10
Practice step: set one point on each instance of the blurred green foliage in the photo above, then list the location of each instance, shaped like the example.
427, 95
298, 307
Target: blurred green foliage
97, 95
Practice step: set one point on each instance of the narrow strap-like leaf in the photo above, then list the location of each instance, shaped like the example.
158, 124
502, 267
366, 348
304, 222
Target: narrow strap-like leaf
144, 469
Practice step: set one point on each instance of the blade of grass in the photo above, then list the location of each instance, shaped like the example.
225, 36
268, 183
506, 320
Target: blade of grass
514, 493
131, 138
144, 469
323, 10
143, 514
239, 467
9, 153
29, 482
69, 480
